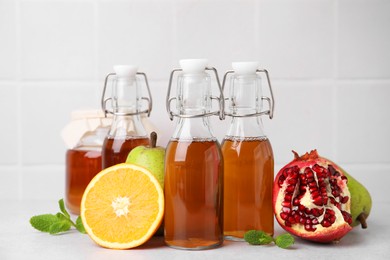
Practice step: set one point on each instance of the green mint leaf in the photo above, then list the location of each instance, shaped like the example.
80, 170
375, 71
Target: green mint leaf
60, 226
284, 241
62, 207
252, 237
57, 223
256, 237
80, 226
43, 222
265, 239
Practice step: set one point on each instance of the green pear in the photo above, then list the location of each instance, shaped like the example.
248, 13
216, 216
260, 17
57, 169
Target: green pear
150, 157
361, 202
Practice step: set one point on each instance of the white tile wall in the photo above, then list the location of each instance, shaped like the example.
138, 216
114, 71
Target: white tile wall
296, 38
57, 40
8, 43
328, 60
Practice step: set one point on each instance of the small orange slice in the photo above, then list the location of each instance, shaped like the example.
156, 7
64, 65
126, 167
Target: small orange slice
122, 206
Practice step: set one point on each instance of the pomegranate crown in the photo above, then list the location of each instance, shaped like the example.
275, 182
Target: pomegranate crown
306, 157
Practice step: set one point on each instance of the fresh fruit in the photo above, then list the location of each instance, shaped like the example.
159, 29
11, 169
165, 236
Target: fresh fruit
360, 201
312, 199
122, 206
150, 157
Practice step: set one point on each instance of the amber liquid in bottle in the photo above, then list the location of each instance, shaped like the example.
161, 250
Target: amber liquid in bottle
81, 167
115, 150
193, 192
248, 182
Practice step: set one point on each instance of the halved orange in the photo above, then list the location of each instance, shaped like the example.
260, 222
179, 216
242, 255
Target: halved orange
122, 206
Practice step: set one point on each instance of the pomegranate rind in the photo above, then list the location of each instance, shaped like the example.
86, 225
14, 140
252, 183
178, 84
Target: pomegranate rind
321, 234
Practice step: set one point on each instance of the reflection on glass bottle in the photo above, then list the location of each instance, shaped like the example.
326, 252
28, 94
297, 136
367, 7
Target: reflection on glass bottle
127, 130
248, 156
193, 164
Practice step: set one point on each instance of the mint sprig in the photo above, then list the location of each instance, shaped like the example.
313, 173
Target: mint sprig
258, 237
54, 224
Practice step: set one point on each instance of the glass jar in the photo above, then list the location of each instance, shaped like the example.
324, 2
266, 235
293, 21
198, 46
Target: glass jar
84, 137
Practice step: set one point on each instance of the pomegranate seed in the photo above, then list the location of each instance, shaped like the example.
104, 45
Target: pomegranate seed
335, 193
283, 215
281, 180
308, 211
286, 210
318, 201
288, 224
317, 168
332, 219
292, 181
286, 204
288, 197
315, 221
344, 199
315, 212
290, 188
302, 220
285, 172
291, 220
310, 180
347, 217
310, 228
330, 212
296, 202
308, 172
315, 194
325, 223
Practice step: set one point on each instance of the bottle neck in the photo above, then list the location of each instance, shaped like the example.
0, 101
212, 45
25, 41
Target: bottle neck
245, 127
189, 129
124, 126
125, 96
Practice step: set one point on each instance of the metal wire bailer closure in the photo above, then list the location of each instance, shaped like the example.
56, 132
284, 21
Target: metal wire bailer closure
270, 101
205, 113
146, 109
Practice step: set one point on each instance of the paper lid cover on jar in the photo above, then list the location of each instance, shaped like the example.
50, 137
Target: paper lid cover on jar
83, 121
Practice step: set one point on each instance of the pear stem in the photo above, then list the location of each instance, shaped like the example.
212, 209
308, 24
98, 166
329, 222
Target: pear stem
362, 219
153, 139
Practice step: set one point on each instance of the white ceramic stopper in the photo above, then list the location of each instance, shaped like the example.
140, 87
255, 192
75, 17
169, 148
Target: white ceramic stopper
245, 68
193, 65
125, 71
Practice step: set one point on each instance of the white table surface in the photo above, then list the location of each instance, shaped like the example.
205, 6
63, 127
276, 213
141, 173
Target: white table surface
18, 240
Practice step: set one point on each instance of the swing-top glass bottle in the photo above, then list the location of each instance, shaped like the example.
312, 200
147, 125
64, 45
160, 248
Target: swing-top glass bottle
193, 164
127, 130
247, 152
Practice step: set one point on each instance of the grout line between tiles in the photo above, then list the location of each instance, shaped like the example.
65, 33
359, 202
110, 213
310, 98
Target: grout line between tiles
335, 92
19, 98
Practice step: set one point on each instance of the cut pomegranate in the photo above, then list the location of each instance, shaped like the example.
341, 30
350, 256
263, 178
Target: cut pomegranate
311, 199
